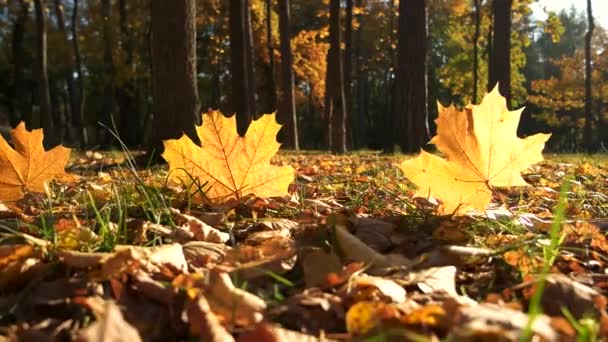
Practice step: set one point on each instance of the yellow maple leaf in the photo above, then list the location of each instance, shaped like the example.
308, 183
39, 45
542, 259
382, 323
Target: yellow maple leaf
481, 150
230, 165
28, 166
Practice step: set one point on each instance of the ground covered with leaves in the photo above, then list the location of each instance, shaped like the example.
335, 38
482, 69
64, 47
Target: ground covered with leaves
122, 254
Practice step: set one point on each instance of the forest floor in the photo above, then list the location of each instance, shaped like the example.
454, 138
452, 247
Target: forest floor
120, 255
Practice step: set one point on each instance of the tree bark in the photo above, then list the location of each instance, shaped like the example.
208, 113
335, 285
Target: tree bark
173, 46
361, 94
271, 99
348, 70
22, 107
500, 62
288, 102
587, 134
130, 120
477, 20
44, 117
336, 71
78, 116
242, 88
70, 66
388, 117
252, 93
108, 65
410, 91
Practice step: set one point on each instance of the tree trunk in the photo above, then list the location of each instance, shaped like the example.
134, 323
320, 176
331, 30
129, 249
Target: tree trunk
242, 88
336, 71
108, 65
175, 91
387, 118
477, 20
500, 67
22, 107
44, 117
410, 97
78, 116
287, 113
587, 134
70, 67
327, 103
348, 70
271, 99
360, 131
130, 120
249, 46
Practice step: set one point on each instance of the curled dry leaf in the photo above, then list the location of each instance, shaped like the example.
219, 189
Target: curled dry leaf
228, 165
150, 259
110, 327
318, 265
481, 150
355, 250
492, 322
386, 288
265, 332
205, 324
28, 166
275, 254
562, 292
375, 233
201, 230
232, 304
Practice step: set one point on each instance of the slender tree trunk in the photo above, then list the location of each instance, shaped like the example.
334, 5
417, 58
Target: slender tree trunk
388, 117
500, 67
175, 108
489, 49
242, 88
288, 101
348, 71
328, 104
78, 116
252, 93
360, 132
58, 110
44, 118
70, 65
130, 119
22, 107
272, 88
336, 70
410, 97
108, 64
477, 20
588, 134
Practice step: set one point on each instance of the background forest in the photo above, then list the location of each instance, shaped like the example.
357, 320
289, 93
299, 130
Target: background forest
68, 65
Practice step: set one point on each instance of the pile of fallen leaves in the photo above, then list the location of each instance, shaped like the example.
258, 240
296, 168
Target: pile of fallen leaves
224, 245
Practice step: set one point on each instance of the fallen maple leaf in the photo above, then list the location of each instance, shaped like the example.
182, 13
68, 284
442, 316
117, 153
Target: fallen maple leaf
481, 150
28, 166
229, 165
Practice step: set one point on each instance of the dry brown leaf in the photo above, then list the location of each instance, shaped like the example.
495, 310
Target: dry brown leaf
201, 230
127, 258
28, 166
481, 151
265, 332
110, 327
228, 165
204, 323
234, 305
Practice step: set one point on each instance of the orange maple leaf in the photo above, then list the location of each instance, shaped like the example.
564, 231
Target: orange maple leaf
481, 151
28, 166
231, 166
